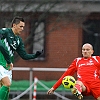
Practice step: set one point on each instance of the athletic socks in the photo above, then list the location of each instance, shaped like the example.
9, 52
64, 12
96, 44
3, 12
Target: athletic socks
4, 92
78, 87
76, 90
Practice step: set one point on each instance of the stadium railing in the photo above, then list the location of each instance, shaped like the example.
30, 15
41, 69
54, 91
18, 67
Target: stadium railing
17, 84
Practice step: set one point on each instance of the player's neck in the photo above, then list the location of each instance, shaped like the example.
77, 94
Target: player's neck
87, 57
14, 31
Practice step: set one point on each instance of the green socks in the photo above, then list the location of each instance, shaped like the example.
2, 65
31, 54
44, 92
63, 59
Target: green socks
4, 93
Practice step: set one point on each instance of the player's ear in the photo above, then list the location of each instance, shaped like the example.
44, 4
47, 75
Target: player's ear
13, 25
92, 51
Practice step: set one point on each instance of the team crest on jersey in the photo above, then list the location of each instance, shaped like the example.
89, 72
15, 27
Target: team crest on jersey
90, 61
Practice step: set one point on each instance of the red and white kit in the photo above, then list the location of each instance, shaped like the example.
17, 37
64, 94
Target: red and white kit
87, 72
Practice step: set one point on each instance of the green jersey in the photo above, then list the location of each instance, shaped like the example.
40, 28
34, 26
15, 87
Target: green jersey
9, 42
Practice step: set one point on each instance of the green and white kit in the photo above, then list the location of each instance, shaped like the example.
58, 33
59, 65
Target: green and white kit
9, 43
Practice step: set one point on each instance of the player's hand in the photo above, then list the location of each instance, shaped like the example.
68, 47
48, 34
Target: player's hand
38, 53
9, 66
51, 91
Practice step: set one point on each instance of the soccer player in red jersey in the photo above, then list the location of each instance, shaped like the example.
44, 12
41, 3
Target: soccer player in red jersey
87, 68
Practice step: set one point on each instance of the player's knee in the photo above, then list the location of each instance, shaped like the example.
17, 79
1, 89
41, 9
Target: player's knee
8, 84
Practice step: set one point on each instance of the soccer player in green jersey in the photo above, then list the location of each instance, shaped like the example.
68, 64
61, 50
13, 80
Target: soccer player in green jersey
10, 41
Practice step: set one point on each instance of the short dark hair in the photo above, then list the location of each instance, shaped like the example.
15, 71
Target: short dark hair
17, 19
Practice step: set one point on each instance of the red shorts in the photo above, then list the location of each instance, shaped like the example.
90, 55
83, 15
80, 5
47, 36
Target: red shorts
92, 88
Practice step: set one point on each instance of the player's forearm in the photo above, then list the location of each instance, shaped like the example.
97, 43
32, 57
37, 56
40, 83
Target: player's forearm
57, 84
24, 55
69, 71
28, 56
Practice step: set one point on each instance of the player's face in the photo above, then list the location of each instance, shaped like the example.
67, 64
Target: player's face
18, 28
87, 50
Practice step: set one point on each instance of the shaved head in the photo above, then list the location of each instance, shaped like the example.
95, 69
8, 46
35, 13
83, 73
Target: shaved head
87, 50
88, 45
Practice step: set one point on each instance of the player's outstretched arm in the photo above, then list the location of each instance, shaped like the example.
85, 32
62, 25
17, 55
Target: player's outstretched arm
51, 91
24, 55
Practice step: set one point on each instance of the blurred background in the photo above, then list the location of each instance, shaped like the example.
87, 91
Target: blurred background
60, 28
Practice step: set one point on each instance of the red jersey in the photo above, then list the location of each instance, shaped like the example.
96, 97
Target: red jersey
87, 70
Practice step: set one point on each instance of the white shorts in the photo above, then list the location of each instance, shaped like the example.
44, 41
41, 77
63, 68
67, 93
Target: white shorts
5, 73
